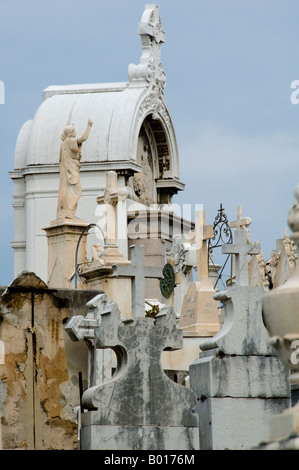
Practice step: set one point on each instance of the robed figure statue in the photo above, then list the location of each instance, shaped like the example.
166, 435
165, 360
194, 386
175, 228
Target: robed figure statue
69, 168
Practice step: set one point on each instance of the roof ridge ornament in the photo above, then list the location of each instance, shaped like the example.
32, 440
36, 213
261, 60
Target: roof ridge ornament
149, 69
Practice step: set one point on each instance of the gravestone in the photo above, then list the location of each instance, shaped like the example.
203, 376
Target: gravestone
238, 374
257, 272
199, 315
140, 407
282, 262
137, 272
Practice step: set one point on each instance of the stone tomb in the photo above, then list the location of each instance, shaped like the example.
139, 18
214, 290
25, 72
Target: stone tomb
238, 379
140, 407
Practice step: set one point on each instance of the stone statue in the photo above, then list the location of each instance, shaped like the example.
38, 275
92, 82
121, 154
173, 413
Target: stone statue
69, 168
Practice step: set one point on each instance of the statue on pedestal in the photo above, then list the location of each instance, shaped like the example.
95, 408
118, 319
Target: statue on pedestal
69, 168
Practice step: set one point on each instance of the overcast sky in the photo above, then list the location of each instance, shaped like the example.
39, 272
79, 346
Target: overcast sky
229, 67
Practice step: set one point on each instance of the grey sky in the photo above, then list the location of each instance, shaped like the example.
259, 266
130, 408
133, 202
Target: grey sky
229, 66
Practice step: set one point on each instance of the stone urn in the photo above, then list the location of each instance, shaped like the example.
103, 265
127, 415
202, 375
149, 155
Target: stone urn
281, 318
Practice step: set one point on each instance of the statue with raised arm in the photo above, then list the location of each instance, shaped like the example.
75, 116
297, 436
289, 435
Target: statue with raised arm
69, 168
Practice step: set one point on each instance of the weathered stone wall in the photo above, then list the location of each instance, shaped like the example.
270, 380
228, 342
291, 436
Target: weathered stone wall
38, 386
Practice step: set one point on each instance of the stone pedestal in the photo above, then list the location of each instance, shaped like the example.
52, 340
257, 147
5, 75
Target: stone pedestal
63, 237
96, 437
199, 316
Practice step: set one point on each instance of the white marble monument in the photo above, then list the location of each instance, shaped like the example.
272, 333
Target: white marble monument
132, 134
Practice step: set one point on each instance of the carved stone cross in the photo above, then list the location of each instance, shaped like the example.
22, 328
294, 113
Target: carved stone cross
241, 248
138, 272
242, 222
81, 328
152, 36
140, 393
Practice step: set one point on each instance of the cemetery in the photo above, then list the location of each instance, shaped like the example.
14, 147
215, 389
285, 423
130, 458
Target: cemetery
115, 333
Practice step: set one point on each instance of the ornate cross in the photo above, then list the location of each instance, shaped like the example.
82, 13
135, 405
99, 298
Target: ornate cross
152, 37
138, 272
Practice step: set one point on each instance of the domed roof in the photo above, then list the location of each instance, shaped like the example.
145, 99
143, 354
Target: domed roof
111, 110
117, 110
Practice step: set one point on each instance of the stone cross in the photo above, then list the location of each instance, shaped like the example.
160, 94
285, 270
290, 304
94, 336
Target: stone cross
140, 393
81, 328
242, 222
241, 248
201, 235
150, 70
138, 272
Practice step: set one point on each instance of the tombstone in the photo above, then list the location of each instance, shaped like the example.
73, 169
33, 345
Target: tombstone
137, 272
139, 408
257, 272
238, 374
199, 315
282, 262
